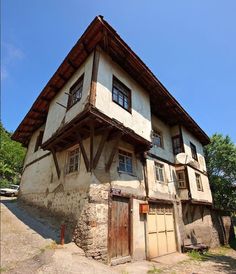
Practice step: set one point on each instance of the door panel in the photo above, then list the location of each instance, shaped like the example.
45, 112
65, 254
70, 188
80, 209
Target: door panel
120, 227
161, 233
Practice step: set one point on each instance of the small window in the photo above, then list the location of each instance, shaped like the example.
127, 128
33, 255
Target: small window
177, 144
39, 141
121, 94
73, 160
160, 173
157, 139
181, 179
193, 151
199, 182
125, 161
75, 93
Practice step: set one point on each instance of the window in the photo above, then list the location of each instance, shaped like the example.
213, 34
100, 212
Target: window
199, 182
75, 92
125, 161
121, 94
177, 144
73, 161
157, 138
181, 179
159, 168
39, 141
193, 151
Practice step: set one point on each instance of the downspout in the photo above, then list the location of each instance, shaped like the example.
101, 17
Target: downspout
145, 177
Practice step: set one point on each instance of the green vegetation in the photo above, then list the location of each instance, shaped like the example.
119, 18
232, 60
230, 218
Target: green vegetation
154, 270
11, 159
220, 157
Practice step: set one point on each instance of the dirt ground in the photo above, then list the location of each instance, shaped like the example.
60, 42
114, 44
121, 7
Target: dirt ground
28, 245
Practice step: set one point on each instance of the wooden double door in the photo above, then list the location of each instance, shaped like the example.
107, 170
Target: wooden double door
161, 230
119, 228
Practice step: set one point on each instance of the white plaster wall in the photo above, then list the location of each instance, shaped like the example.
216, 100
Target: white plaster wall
31, 155
139, 119
57, 115
187, 138
204, 195
167, 151
160, 190
138, 222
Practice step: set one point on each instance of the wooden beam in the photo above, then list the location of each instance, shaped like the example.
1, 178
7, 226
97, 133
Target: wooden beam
92, 97
113, 151
56, 163
100, 148
91, 145
86, 161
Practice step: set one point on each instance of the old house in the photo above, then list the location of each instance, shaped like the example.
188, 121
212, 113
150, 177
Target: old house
106, 143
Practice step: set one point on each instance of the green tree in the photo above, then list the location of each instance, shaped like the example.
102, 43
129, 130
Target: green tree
11, 158
220, 157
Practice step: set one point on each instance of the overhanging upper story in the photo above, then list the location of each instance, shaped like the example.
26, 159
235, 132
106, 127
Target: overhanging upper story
103, 60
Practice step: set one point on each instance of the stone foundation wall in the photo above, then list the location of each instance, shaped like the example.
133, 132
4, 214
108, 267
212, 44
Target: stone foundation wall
213, 227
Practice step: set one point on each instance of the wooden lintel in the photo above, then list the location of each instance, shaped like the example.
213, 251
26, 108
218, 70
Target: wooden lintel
85, 157
91, 145
93, 86
113, 151
56, 163
100, 148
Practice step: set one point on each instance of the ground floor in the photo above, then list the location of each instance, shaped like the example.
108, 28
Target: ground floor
28, 245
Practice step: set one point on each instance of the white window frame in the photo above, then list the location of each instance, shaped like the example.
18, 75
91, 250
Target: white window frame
71, 160
182, 182
127, 155
199, 182
158, 166
157, 134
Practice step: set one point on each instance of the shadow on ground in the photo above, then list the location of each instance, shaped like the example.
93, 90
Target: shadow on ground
224, 263
40, 224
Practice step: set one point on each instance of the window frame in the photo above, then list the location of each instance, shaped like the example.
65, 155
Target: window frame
184, 179
39, 141
180, 147
69, 157
126, 154
161, 167
160, 135
126, 92
193, 149
77, 86
199, 180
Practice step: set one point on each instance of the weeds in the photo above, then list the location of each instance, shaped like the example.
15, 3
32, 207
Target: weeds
154, 270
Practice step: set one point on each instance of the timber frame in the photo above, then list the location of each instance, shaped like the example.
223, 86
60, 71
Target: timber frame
101, 36
88, 124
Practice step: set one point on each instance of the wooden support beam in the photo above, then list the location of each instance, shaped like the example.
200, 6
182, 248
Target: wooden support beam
85, 157
91, 145
93, 86
56, 163
100, 148
113, 151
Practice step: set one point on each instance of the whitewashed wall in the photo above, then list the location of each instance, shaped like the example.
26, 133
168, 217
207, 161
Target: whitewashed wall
139, 119
58, 115
167, 151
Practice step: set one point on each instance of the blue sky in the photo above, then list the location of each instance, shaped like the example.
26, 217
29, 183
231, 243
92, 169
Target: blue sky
189, 45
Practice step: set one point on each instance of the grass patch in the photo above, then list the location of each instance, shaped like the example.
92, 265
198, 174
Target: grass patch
52, 245
154, 270
3, 269
197, 256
